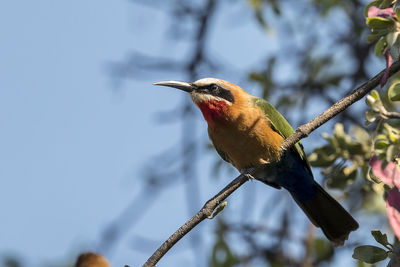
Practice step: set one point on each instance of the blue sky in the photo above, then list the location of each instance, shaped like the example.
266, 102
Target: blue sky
72, 148
68, 143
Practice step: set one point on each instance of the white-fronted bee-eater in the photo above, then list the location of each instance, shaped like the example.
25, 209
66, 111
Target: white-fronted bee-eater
247, 132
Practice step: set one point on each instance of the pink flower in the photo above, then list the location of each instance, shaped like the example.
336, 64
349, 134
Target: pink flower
389, 60
373, 11
393, 210
390, 175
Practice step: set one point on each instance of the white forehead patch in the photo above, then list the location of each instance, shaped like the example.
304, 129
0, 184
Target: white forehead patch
206, 81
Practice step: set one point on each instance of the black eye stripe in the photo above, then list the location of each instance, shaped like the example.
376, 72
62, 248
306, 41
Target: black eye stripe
216, 90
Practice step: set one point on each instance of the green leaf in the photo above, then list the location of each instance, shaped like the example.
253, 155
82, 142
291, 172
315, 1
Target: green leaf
380, 238
350, 172
394, 92
369, 100
375, 94
322, 156
391, 38
380, 46
338, 130
340, 177
386, 3
379, 23
381, 32
373, 37
392, 132
381, 144
362, 264
392, 151
370, 117
398, 14
369, 254
382, 137
361, 134
371, 177
355, 148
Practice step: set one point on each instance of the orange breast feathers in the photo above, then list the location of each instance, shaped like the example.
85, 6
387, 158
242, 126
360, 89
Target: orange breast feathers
241, 130
245, 136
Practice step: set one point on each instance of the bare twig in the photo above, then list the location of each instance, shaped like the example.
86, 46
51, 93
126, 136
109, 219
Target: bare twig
392, 115
204, 213
305, 129
301, 132
389, 115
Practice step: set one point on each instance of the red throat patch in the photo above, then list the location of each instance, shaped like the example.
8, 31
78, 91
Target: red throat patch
213, 109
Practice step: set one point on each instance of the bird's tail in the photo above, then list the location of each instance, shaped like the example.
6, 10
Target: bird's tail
325, 212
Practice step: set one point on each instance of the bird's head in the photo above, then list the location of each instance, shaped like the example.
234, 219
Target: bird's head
217, 99
91, 259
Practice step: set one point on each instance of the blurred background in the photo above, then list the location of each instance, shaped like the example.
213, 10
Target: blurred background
95, 158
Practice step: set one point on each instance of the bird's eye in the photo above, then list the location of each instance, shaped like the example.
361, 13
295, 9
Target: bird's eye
214, 87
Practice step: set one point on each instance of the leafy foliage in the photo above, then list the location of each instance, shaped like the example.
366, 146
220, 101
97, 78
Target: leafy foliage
343, 156
373, 254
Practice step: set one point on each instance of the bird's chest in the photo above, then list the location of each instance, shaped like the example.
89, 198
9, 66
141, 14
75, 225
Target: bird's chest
247, 141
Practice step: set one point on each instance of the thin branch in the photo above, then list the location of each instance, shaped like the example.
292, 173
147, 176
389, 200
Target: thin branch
389, 115
392, 115
305, 129
274, 167
204, 213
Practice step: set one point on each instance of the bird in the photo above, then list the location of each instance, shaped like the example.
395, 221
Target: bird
248, 132
90, 259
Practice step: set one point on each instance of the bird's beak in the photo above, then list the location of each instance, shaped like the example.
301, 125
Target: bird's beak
187, 87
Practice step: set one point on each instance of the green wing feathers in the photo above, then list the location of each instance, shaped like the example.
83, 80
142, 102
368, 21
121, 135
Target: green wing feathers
281, 125
276, 118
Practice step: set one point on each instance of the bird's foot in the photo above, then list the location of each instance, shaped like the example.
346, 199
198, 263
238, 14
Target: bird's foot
247, 172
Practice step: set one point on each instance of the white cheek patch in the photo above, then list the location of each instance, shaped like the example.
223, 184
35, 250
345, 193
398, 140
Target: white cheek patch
198, 98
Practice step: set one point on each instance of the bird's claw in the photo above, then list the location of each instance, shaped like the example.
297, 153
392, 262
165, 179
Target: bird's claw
247, 172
